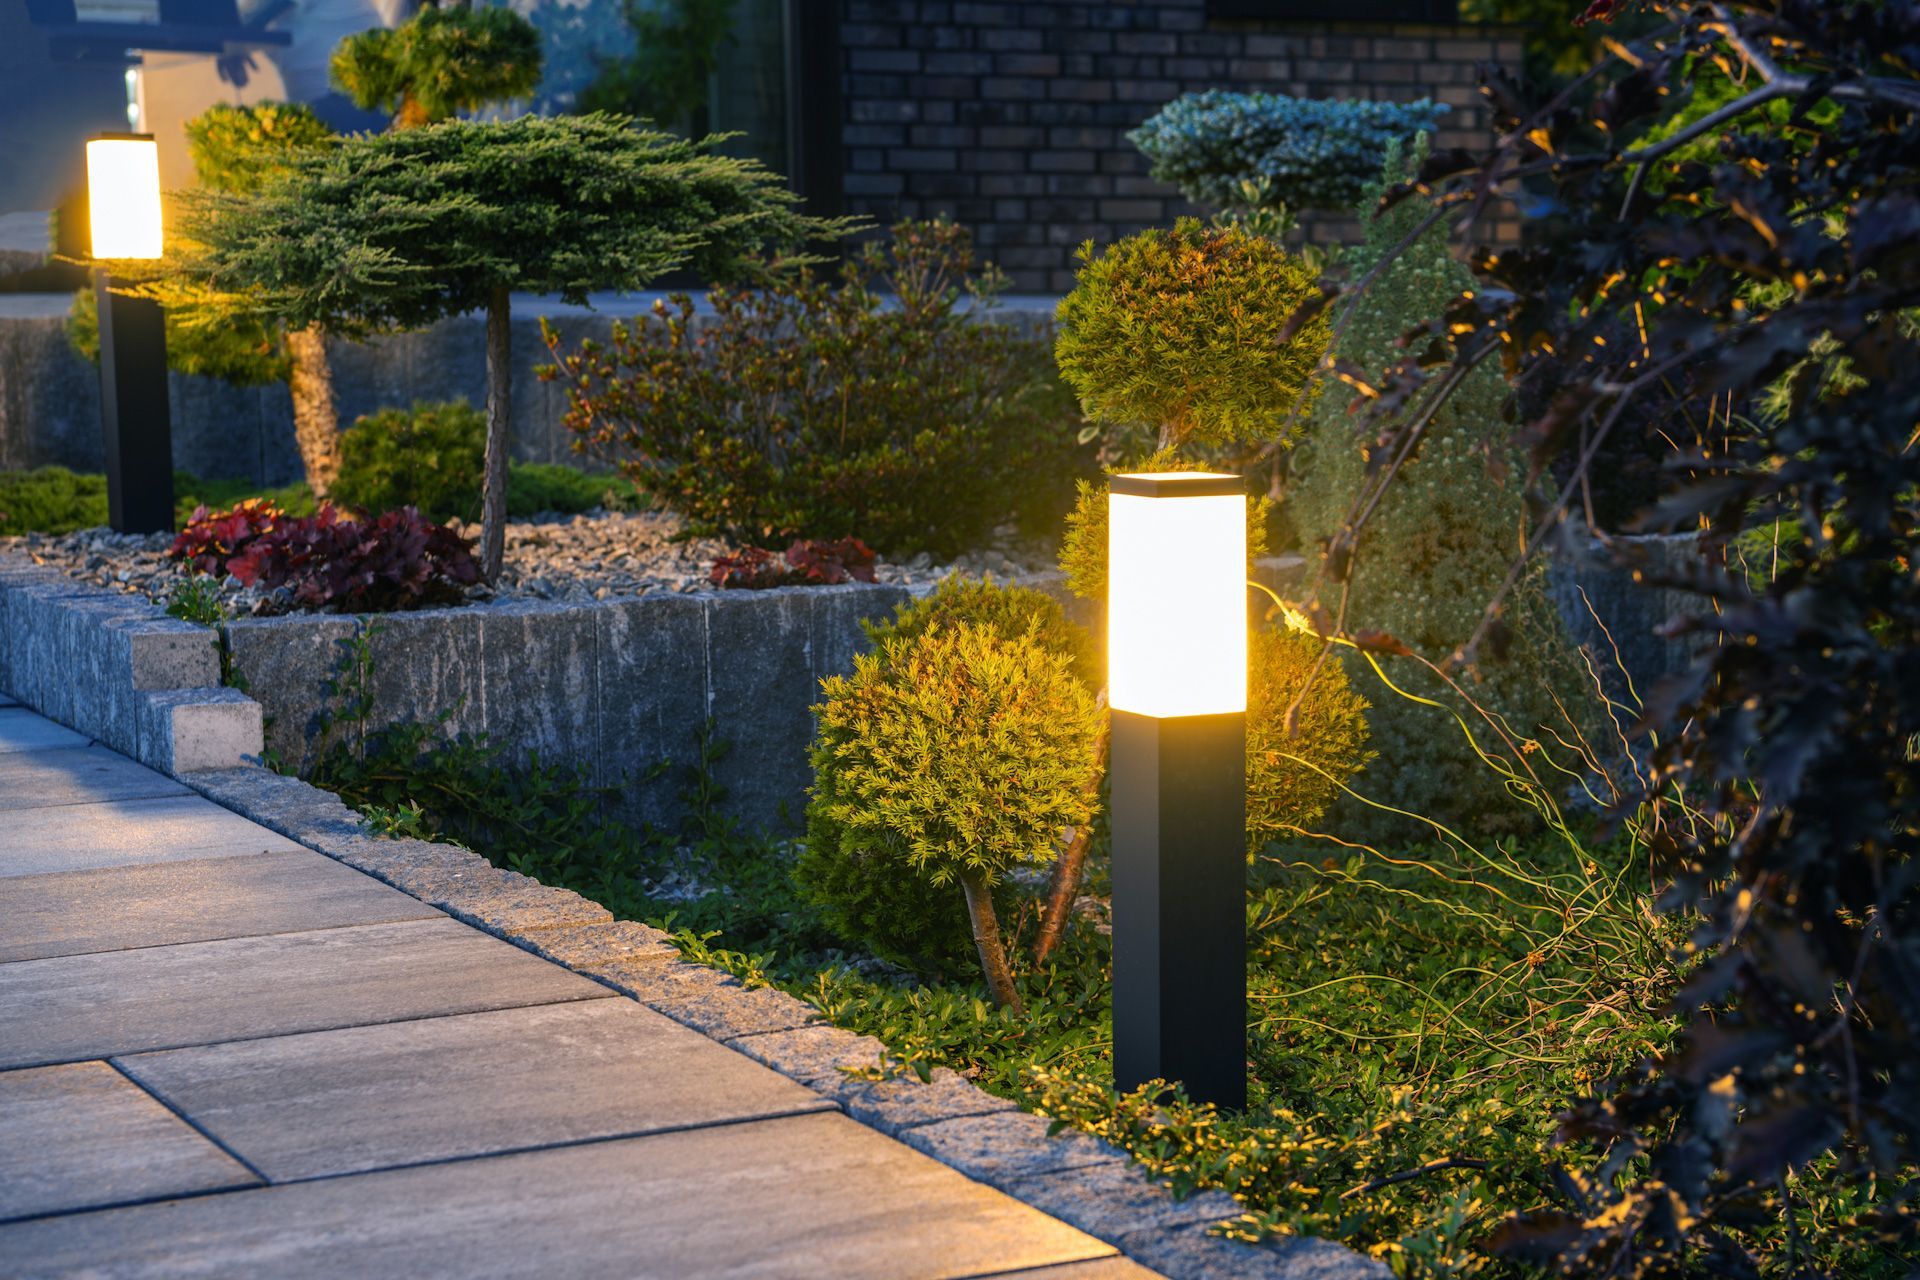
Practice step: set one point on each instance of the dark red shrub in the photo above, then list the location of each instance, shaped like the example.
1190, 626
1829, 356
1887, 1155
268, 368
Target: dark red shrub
389, 562
211, 539
811, 562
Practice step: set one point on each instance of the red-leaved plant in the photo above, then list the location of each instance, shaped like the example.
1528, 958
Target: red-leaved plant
813, 562
212, 538
384, 563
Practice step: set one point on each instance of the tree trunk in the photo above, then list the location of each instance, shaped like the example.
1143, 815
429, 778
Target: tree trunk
986, 937
493, 503
316, 421
1064, 888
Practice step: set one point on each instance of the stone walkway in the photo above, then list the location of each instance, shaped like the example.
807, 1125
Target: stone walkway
222, 1053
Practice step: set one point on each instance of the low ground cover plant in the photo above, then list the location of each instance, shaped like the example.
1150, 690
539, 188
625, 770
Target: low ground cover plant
892, 406
809, 562
331, 562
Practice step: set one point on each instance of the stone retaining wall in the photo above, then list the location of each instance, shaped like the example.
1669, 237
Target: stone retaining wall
117, 669
614, 687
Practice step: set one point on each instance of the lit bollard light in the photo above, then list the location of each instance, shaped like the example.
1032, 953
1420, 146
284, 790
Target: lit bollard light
1177, 685
123, 212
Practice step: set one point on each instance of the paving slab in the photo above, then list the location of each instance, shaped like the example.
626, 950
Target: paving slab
814, 1195
197, 900
77, 775
79, 837
439, 1088
98, 1006
82, 1135
24, 730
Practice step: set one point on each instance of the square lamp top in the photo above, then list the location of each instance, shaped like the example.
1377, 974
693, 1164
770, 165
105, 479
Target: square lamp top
123, 195
1177, 593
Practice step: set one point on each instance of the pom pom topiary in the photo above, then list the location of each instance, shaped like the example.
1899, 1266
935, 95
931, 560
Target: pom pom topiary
1293, 779
1180, 330
942, 762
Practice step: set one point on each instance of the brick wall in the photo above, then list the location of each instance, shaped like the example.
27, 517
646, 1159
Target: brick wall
1011, 118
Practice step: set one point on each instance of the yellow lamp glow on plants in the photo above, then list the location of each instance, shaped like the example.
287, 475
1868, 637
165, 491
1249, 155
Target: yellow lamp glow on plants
123, 195
1177, 594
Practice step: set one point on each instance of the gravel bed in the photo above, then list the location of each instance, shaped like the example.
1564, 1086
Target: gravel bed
593, 556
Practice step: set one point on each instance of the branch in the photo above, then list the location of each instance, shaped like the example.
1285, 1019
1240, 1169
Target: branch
1408, 1175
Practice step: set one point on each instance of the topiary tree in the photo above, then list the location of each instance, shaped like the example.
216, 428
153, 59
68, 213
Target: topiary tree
1293, 778
1429, 559
440, 62
394, 231
1182, 331
949, 756
902, 915
1253, 153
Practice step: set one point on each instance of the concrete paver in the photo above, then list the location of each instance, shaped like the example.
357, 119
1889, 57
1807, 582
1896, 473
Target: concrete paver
119, 833
198, 900
77, 775
97, 1006
421, 1098
816, 1195
24, 730
355, 1099
83, 1135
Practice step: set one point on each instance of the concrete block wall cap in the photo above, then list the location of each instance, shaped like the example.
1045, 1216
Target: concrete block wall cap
1003, 1146
813, 1053
1115, 1200
183, 731
1190, 1253
895, 1106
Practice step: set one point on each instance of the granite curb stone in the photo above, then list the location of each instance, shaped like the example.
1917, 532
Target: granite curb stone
1190, 1253
1004, 1146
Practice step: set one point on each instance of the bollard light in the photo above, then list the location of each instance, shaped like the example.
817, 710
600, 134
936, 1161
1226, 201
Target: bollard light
1177, 686
123, 213
123, 195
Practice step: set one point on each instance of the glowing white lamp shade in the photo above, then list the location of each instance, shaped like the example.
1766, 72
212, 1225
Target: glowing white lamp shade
123, 195
1177, 594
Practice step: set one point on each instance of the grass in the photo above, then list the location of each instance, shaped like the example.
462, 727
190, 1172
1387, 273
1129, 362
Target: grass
54, 500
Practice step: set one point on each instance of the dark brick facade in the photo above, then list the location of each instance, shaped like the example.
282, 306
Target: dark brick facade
1012, 118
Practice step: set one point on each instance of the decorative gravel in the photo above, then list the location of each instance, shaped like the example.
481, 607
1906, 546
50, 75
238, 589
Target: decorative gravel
593, 556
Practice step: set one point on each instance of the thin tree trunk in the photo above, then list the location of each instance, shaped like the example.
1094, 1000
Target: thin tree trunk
986, 938
1064, 889
316, 420
493, 505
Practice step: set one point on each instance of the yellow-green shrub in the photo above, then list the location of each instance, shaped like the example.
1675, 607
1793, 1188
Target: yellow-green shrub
946, 757
1180, 330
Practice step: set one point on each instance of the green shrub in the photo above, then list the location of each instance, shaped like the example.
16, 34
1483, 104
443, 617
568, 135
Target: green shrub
806, 411
1237, 151
430, 457
942, 762
1292, 780
439, 62
1180, 331
54, 500
237, 148
1431, 556
237, 349
1010, 612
